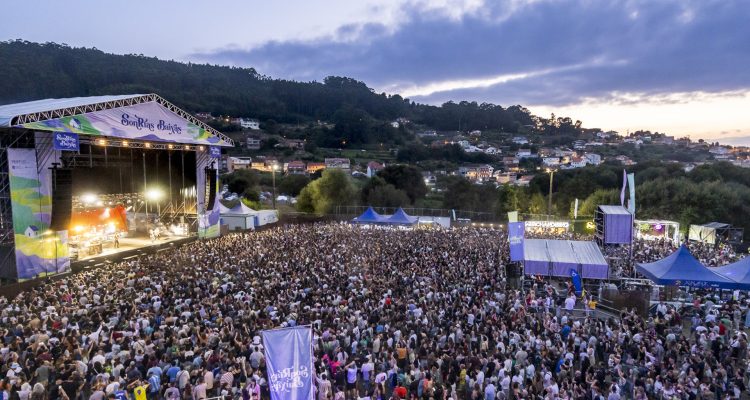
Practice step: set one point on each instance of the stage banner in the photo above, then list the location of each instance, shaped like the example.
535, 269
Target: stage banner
145, 121
289, 361
214, 152
65, 141
624, 183
577, 284
39, 252
631, 201
515, 237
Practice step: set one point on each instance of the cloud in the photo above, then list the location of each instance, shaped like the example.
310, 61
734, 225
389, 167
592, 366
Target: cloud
527, 52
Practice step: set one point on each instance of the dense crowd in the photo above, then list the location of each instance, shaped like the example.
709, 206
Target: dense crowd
396, 314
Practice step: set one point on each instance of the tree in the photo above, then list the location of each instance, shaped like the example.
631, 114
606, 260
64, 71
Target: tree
406, 178
293, 184
387, 196
241, 181
332, 189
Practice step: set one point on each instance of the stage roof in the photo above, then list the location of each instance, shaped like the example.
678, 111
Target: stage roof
682, 269
558, 257
614, 210
136, 116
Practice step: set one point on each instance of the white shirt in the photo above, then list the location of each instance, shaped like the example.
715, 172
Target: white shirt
570, 303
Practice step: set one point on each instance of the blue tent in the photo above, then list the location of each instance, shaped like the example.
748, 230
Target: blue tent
369, 217
682, 269
401, 218
737, 271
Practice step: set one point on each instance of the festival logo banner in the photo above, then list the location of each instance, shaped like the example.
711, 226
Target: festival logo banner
515, 237
65, 141
290, 363
145, 121
39, 252
214, 152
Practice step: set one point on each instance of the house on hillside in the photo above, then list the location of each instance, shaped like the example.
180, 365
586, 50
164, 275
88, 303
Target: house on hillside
313, 167
338, 163
296, 167
236, 163
247, 123
373, 167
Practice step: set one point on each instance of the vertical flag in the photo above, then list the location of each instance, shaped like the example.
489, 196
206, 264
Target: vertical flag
624, 183
575, 210
576, 281
289, 361
631, 201
515, 237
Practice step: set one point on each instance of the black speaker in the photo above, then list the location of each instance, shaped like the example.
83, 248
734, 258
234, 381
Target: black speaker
211, 177
62, 198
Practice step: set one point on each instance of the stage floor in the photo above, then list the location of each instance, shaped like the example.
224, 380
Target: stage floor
130, 243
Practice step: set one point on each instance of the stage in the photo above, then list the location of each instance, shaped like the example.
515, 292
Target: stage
128, 244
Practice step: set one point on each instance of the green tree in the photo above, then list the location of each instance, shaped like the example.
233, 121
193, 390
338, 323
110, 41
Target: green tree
387, 196
406, 178
320, 196
293, 184
243, 182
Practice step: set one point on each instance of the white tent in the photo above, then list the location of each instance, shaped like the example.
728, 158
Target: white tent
239, 217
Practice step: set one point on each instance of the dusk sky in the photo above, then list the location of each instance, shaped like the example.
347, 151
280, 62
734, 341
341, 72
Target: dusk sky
679, 67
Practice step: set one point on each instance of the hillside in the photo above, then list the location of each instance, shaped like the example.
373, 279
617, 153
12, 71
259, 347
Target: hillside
33, 71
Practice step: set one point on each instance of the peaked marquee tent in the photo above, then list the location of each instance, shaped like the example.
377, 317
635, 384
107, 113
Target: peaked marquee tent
682, 269
400, 217
369, 217
737, 271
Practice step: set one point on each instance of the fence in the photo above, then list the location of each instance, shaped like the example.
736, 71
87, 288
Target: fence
348, 212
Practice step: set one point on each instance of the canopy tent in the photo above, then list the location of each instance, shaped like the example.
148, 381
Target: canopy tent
369, 217
239, 209
737, 271
400, 217
558, 257
239, 217
682, 269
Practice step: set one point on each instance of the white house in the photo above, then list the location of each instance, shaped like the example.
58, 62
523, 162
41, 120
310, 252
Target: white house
463, 143
235, 163
551, 161
520, 140
523, 153
247, 123
32, 231
395, 124
577, 162
593, 159
492, 150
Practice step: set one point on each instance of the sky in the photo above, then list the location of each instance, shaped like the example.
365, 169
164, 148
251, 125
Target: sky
673, 66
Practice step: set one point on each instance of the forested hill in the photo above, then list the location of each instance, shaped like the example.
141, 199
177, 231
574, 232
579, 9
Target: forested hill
32, 71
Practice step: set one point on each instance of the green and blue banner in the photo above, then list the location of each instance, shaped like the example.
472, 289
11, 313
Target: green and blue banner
39, 251
145, 121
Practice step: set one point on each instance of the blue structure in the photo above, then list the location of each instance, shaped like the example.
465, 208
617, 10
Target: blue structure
369, 217
400, 217
682, 269
737, 271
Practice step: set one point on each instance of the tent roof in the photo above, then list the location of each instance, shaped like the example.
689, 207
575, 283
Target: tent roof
41, 110
738, 271
715, 225
400, 217
535, 250
239, 209
682, 269
369, 216
588, 253
614, 210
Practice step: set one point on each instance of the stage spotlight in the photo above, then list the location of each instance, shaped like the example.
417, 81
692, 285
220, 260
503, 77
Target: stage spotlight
89, 198
101, 142
200, 148
147, 145
78, 228
154, 194
125, 143
171, 146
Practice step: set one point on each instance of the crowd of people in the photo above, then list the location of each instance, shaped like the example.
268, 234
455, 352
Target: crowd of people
396, 314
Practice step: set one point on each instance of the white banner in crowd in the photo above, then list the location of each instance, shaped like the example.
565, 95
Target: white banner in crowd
289, 360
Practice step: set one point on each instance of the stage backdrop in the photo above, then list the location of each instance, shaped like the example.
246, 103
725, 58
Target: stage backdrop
38, 254
290, 363
145, 121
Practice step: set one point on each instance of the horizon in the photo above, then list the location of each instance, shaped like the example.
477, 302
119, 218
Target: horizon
670, 67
